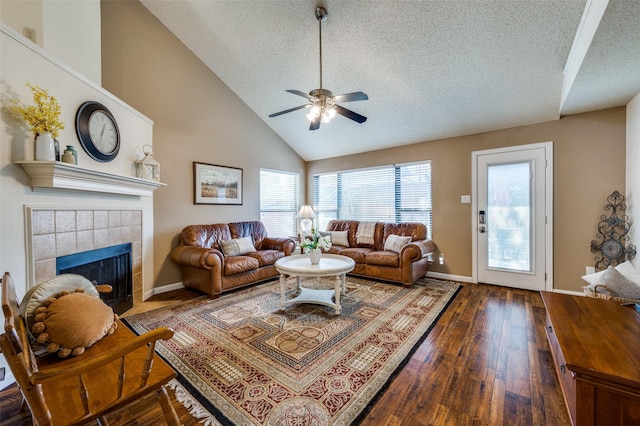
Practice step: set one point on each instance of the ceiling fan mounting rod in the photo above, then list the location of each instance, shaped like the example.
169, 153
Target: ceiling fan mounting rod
321, 15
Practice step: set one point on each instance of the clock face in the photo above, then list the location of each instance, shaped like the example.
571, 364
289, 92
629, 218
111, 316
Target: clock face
97, 131
102, 131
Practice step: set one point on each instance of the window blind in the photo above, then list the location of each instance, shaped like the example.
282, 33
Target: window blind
279, 202
395, 193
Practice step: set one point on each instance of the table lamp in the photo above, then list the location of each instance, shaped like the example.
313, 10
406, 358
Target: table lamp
306, 214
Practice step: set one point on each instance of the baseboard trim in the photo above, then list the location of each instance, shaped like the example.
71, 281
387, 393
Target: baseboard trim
441, 276
164, 289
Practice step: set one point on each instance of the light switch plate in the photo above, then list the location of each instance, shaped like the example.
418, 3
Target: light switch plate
465, 199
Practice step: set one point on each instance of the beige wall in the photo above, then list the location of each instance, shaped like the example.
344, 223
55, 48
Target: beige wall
67, 29
196, 118
589, 159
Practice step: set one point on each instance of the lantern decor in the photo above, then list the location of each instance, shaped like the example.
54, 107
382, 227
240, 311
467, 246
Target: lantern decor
147, 167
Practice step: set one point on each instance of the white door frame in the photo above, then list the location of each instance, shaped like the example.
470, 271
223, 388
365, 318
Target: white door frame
548, 147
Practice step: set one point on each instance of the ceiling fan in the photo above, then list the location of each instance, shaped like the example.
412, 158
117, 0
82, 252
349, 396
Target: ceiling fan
323, 105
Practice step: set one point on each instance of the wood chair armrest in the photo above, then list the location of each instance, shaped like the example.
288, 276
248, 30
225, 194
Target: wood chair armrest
49, 374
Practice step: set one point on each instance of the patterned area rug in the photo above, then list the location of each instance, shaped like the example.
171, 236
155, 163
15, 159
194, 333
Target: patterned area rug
250, 363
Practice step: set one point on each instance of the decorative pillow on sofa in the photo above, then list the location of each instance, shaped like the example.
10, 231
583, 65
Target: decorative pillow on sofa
237, 246
338, 238
616, 283
396, 242
71, 322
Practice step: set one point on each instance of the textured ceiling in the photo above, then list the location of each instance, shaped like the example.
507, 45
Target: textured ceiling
431, 69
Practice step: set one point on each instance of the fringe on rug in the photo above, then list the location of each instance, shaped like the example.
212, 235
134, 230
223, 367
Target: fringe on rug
192, 405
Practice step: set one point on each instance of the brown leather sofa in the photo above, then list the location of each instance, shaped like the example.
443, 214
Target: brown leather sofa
372, 260
206, 268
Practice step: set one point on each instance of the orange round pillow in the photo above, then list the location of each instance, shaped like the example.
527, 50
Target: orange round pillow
71, 322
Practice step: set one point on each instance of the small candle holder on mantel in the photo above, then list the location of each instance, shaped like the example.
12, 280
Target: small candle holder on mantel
147, 167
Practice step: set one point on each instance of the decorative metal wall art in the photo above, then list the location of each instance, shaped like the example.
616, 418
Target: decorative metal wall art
612, 236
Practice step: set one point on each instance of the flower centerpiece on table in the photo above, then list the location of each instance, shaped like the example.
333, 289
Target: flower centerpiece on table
316, 241
44, 116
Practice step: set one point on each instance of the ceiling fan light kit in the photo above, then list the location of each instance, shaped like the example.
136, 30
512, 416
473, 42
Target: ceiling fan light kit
323, 105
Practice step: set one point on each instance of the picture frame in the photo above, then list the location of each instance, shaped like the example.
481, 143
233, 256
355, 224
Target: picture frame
214, 184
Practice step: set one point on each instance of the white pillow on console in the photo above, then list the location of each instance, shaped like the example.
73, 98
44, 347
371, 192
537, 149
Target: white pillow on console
237, 246
617, 284
625, 268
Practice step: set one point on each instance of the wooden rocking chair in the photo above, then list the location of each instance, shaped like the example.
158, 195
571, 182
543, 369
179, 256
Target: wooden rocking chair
113, 373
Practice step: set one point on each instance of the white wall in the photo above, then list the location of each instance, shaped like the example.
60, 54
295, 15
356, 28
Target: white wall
22, 61
67, 29
633, 171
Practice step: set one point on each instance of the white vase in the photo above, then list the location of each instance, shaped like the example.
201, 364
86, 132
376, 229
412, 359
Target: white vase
45, 147
315, 255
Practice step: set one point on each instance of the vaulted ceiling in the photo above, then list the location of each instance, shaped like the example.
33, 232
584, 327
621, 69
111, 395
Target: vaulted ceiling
431, 69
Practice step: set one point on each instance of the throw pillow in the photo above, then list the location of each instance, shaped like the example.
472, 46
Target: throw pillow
339, 238
617, 284
237, 246
629, 272
396, 242
625, 268
71, 322
37, 295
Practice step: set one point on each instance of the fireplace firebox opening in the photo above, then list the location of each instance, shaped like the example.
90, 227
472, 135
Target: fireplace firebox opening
109, 265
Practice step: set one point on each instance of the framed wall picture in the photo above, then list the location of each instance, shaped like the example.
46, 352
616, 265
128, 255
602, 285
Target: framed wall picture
217, 184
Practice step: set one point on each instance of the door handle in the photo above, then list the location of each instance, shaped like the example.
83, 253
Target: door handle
482, 229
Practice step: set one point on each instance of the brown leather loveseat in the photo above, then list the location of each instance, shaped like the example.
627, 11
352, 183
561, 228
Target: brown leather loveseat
401, 260
220, 257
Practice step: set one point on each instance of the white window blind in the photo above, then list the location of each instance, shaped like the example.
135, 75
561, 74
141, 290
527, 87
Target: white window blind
279, 202
396, 193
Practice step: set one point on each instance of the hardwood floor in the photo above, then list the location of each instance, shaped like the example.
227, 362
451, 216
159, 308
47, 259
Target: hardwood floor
485, 362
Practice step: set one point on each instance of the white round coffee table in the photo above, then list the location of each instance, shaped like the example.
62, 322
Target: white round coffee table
300, 266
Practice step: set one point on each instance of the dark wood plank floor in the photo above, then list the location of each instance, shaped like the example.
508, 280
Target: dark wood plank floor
486, 362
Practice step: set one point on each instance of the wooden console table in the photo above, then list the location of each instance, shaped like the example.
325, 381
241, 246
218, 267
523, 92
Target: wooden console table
596, 350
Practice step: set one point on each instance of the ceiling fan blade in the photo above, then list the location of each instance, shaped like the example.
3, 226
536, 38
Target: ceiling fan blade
350, 97
350, 114
275, 114
300, 93
315, 124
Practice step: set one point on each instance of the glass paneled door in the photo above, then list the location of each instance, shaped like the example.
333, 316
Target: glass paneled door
512, 244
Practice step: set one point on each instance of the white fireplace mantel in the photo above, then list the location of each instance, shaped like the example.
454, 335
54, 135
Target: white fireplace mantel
57, 175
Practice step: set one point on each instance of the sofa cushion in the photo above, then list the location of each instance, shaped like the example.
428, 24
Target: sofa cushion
383, 258
266, 257
205, 235
396, 242
254, 229
359, 255
237, 264
237, 246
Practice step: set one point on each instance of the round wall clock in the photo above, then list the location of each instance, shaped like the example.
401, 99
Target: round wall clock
97, 131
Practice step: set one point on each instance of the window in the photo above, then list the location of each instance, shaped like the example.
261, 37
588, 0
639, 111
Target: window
279, 202
397, 193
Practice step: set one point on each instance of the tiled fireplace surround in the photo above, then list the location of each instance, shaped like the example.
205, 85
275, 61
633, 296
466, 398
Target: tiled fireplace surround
59, 232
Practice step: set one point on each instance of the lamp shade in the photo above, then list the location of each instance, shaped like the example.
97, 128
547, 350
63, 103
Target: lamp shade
306, 212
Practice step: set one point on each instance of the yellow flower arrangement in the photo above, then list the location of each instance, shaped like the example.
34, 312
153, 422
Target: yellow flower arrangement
44, 116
